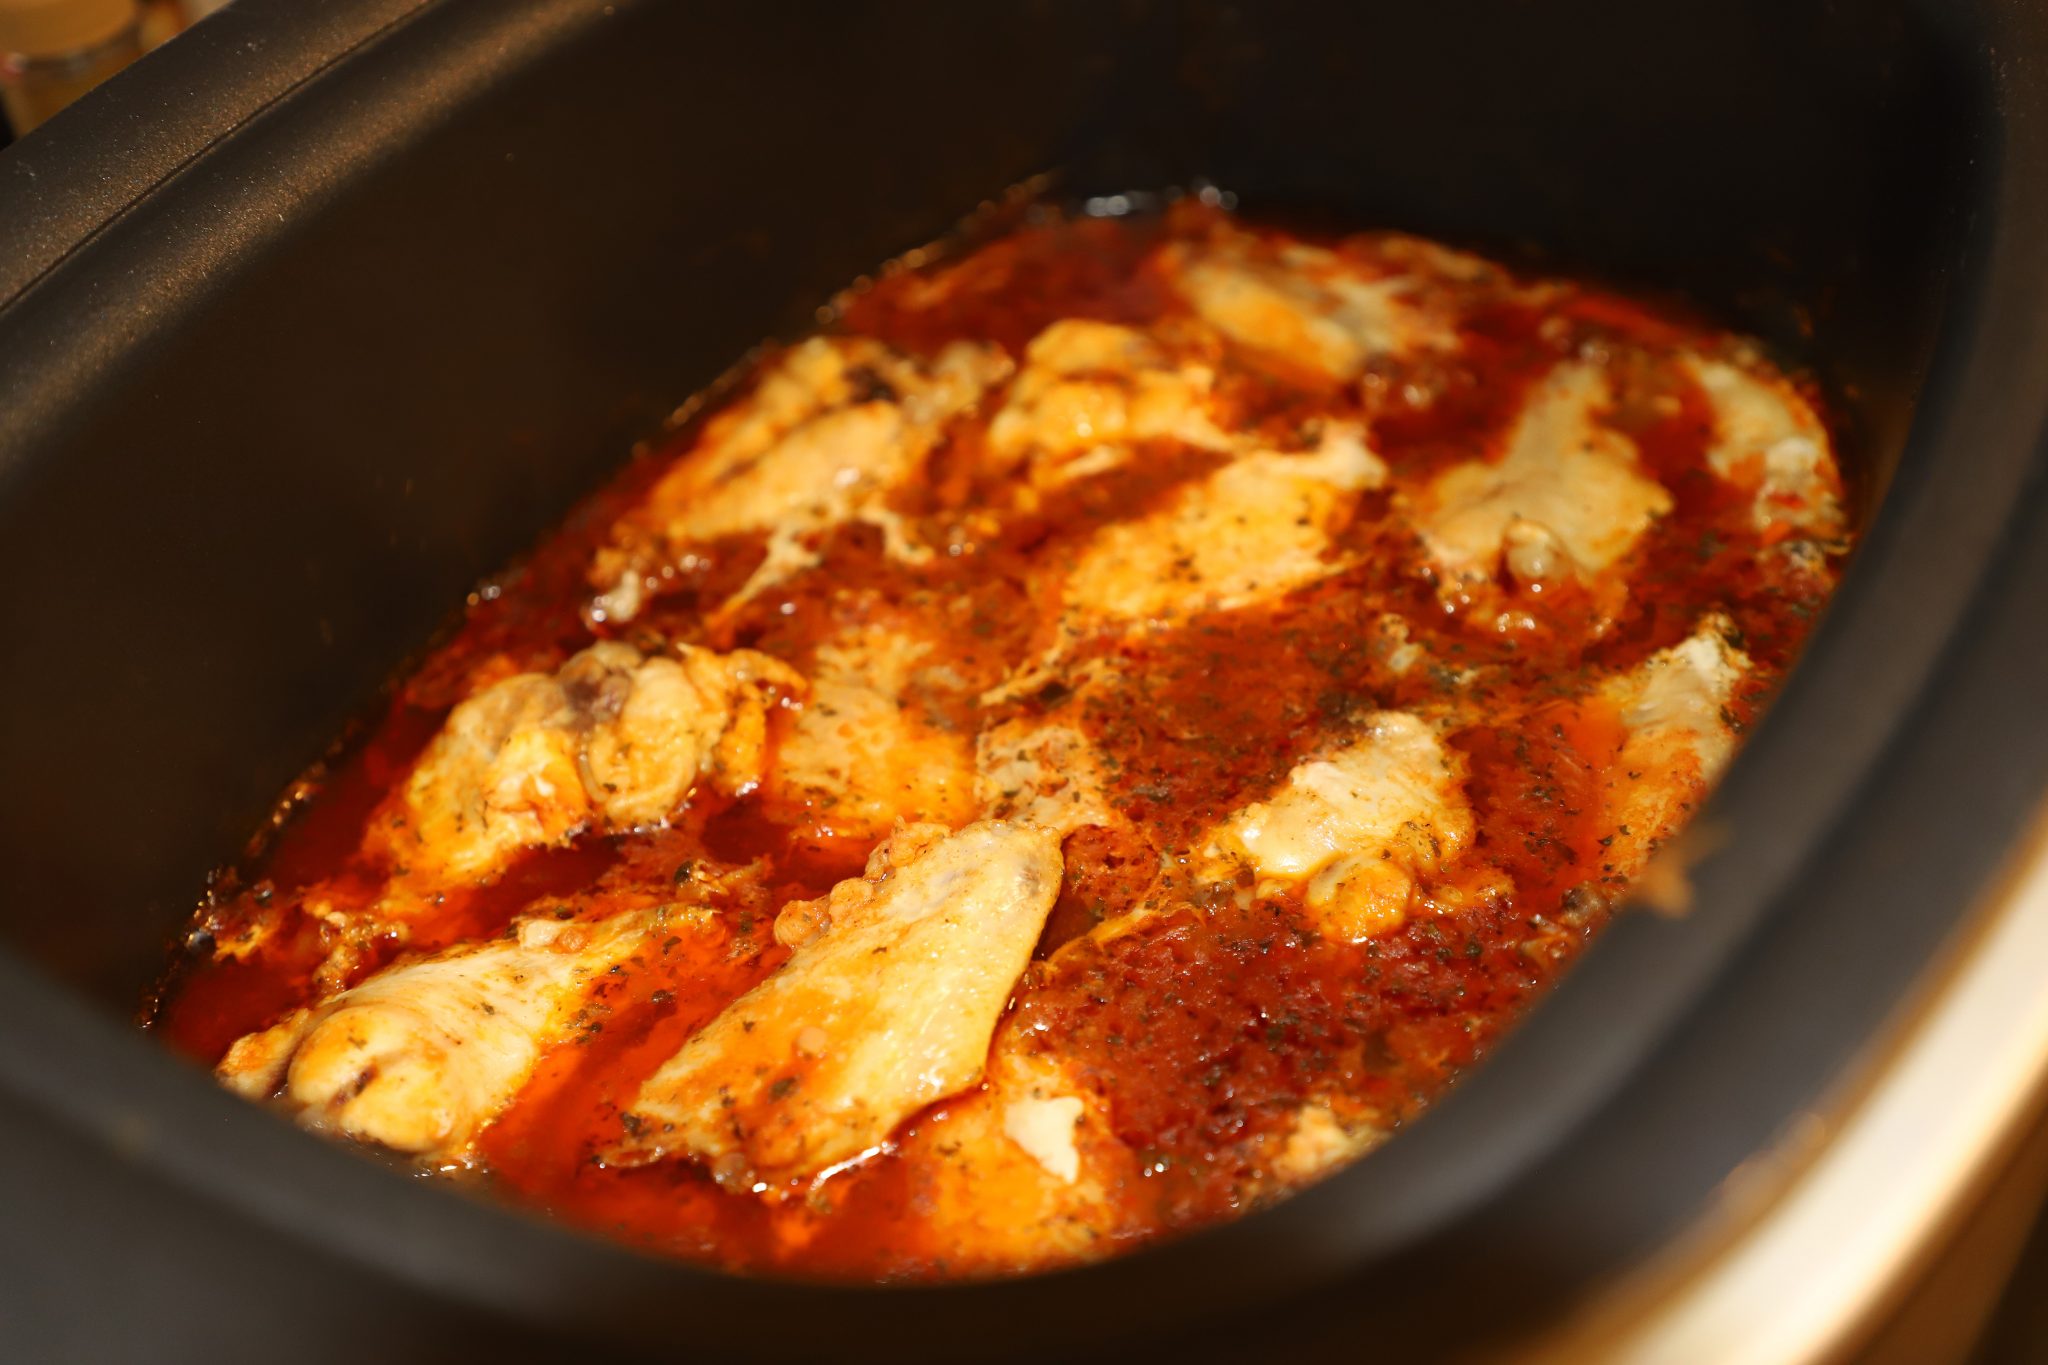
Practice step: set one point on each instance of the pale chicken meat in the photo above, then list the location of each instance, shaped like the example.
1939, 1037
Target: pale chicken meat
1028, 1165
1354, 828
1042, 1126
613, 739
1041, 772
876, 742
831, 429
895, 985
1303, 304
1769, 440
1089, 393
1254, 530
1566, 499
1319, 1141
1675, 712
422, 1055
1041, 768
1257, 528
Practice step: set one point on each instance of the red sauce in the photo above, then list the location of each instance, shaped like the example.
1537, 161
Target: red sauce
1204, 1032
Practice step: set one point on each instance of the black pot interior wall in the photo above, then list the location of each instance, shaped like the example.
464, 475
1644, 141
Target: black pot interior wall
335, 423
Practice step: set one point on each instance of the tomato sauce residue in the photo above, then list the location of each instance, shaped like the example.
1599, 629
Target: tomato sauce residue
1200, 1018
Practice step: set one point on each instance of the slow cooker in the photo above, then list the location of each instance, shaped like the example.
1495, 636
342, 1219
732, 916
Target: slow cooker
316, 316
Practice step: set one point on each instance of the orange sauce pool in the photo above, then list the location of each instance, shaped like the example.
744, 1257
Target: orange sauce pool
1204, 1033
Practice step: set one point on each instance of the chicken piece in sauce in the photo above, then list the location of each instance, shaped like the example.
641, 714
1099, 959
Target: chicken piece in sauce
1354, 827
886, 1004
1089, 394
1566, 500
421, 1056
1769, 439
1256, 529
1304, 305
831, 428
1249, 666
1044, 772
1678, 723
612, 739
1026, 1167
875, 742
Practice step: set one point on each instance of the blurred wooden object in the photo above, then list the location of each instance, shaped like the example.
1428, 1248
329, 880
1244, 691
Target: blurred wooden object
53, 51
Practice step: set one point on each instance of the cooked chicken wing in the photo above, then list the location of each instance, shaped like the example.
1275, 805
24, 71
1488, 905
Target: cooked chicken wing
1088, 392
1041, 772
1040, 768
833, 426
1308, 306
886, 1005
613, 738
1256, 528
1675, 709
422, 1055
872, 746
1355, 826
1026, 1168
1768, 438
1566, 499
